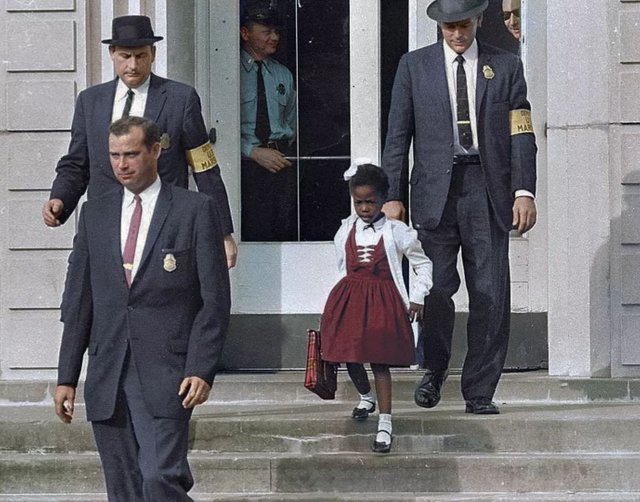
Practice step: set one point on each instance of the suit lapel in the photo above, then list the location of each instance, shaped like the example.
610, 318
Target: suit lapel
163, 205
437, 78
112, 208
156, 98
481, 81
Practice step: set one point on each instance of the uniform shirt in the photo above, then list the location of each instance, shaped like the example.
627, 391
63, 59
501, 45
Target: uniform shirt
281, 101
148, 199
137, 105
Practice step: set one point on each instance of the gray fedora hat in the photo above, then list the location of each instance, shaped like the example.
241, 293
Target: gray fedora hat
131, 31
450, 11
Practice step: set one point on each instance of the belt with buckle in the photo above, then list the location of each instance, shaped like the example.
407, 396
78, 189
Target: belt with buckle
274, 145
465, 160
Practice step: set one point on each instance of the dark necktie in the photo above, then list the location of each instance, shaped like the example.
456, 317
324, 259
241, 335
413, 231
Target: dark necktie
465, 136
263, 130
129, 252
127, 104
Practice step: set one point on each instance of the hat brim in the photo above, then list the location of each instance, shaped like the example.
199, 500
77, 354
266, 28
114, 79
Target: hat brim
132, 42
434, 12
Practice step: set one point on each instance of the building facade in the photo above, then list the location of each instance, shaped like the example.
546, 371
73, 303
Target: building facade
575, 276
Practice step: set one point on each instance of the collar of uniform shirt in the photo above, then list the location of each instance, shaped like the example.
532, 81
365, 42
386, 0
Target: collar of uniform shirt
376, 226
147, 196
248, 62
139, 99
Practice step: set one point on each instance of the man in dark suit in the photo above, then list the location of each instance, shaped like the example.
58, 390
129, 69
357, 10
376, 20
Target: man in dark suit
174, 106
472, 181
147, 296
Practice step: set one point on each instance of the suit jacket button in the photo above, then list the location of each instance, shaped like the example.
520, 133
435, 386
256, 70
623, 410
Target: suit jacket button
130, 309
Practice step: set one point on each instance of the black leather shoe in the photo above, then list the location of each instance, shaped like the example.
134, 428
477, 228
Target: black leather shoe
382, 447
427, 394
481, 406
362, 413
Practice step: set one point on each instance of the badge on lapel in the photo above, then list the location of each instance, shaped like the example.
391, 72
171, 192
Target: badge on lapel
281, 89
169, 262
488, 72
165, 142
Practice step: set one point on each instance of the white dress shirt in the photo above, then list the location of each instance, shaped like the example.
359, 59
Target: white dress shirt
148, 198
368, 237
471, 72
137, 105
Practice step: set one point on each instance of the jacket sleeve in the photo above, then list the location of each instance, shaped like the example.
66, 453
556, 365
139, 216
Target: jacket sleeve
399, 133
72, 171
210, 325
210, 181
421, 280
77, 310
523, 144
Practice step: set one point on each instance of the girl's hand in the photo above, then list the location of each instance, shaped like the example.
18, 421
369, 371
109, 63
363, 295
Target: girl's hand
415, 311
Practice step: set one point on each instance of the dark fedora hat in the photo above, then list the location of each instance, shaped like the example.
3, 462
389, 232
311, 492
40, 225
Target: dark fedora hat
131, 31
450, 11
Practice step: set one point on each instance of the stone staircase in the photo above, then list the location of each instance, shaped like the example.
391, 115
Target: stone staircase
263, 437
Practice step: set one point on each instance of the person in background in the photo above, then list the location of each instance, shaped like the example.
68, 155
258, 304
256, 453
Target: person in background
173, 106
368, 313
147, 297
269, 208
473, 181
511, 15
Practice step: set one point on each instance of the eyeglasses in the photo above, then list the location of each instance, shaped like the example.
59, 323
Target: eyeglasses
507, 14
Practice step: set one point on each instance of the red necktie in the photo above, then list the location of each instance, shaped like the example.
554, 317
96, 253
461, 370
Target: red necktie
132, 237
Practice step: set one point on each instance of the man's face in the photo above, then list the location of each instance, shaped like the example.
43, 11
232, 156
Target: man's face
134, 165
459, 35
511, 13
261, 41
133, 64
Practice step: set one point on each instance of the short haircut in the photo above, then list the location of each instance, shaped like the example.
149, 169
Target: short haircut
370, 175
151, 131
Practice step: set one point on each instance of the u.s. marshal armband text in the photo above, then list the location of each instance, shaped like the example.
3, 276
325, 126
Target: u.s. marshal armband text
520, 121
202, 158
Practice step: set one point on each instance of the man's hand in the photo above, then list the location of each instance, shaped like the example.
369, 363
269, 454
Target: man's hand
272, 160
51, 211
230, 250
195, 390
524, 214
394, 209
415, 311
64, 401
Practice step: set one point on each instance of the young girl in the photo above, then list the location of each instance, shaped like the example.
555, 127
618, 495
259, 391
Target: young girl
367, 316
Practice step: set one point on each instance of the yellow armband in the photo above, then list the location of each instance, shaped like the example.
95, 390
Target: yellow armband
202, 158
520, 121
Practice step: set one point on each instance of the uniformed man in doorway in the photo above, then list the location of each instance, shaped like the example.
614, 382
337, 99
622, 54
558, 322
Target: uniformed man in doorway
269, 210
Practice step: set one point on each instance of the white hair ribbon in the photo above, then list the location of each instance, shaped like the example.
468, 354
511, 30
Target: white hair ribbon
353, 168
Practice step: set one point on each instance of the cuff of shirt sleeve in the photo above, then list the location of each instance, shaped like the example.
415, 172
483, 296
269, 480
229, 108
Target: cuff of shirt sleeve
524, 193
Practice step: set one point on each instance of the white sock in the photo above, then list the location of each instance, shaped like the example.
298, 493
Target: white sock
367, 401
384, 424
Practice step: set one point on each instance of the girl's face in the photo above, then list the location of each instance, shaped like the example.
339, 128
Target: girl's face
367, 203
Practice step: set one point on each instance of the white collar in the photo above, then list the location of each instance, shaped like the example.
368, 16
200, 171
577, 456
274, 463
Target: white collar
122, 89
470, 55
377, 225
148, 193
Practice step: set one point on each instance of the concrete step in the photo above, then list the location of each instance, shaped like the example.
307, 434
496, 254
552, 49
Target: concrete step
327, 427
287, 386
347, 473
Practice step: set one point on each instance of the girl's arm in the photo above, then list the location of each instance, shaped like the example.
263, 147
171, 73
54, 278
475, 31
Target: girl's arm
421, 282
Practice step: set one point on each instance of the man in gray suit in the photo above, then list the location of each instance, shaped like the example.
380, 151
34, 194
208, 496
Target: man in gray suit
464, 105
147, 297
174, 106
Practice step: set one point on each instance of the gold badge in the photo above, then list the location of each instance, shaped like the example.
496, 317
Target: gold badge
164, 141
488, 72
169, 262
